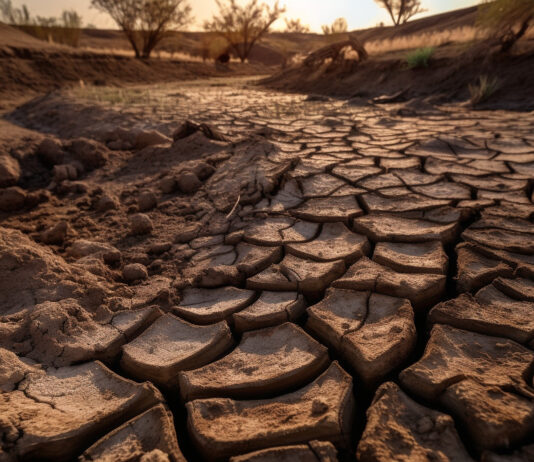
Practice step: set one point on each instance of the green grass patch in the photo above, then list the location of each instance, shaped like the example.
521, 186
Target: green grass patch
420, 57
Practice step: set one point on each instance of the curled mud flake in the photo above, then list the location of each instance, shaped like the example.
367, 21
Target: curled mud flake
400, 429
209, 306
171, 345
422, 289
374, 333
335, 242
314, 451
392, 228
480, 380
265, 362
271, 308
246, 426
56, 424
151, 431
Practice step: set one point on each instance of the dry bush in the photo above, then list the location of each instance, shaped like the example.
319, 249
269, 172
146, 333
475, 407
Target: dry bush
339, 26
295, 26
146, 22
65, 30
484, 89
243, 26
509, 20
401, 10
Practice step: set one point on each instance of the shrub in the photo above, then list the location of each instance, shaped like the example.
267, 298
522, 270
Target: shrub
484, 89
420, 57
339, 26
242, 26
401, 10
146, 23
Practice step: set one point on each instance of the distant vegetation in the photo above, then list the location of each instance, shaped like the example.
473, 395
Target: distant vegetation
64, 30
146, 22
509, 20
243, 26
420, 57
295, 26
401, 11
339, 26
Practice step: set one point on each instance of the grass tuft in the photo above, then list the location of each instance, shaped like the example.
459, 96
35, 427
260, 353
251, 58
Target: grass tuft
484, 89
420, 57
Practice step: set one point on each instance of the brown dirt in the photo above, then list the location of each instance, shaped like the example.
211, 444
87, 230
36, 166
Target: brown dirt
447, 78
301, 278
29, 66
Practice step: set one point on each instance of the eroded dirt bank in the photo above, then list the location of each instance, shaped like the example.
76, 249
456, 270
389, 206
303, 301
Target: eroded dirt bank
294, 279
451, 70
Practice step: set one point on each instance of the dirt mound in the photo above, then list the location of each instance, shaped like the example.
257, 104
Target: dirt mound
11, 37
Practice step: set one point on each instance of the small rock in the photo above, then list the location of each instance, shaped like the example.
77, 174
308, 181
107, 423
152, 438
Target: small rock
12, 199
9, 171
141, 224
55, 235
134, 272
203, 170
75, 187
146, 201
187, 234
188, 182
234, 238
90, 153
65, 172
150, 138
167, 185
37, 197
50, 152
106, 203
83, 248
159, 247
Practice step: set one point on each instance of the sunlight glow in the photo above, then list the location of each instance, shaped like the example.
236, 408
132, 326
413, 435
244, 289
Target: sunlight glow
359, 13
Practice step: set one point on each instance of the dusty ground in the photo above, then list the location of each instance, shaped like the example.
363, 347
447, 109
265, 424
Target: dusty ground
300, 277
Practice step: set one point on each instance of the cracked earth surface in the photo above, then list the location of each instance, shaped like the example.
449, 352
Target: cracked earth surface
321, 282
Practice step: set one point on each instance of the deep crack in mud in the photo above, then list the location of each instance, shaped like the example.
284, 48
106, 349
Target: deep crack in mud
295, 280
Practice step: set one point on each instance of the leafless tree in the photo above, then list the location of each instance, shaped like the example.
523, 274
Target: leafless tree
295, 26
401, 11
14, 16
339, 26
146, 22
243, 26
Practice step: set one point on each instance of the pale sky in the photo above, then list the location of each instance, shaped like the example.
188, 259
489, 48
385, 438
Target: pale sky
359, 13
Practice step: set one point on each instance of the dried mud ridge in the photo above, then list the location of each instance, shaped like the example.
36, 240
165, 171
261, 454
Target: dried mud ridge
329, 283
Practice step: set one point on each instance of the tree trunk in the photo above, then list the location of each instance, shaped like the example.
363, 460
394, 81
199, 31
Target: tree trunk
508, 41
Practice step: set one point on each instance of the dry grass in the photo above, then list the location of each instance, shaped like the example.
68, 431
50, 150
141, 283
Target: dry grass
484, 89
434, 39
179, 56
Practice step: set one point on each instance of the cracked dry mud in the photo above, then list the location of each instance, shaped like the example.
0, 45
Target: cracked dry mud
323, 282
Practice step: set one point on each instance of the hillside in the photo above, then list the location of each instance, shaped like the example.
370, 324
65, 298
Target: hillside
277, 46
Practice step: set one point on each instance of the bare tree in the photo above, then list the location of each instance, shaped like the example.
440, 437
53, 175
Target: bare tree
295, 26
243, 26
14, 16
146, 22
401, 11
509, 20
339, 26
